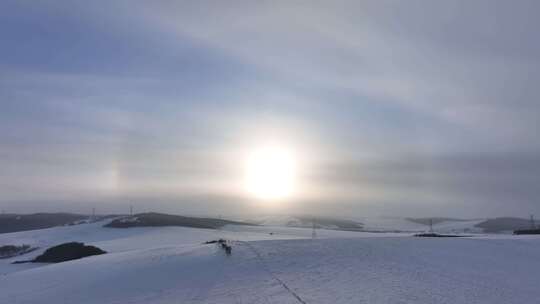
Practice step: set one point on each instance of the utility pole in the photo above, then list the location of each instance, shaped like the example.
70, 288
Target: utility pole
130, 210
533, 224
430, 225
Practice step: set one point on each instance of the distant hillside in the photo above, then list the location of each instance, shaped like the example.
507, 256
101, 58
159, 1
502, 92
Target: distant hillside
504, 224
435, 220
160, 219
329, 223
23, 222
308, 221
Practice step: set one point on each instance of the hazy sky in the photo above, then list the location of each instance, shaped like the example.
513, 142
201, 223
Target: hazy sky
392, 107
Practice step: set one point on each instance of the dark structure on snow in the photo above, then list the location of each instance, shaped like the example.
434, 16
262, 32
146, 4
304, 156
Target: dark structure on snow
67, 252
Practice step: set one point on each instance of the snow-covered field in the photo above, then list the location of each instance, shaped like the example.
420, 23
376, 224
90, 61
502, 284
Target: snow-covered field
171, 265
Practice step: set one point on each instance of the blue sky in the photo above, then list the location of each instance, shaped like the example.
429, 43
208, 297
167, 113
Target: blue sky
416, 107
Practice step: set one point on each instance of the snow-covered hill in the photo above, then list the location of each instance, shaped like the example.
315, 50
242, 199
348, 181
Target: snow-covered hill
273, 265
403, 224
378, 224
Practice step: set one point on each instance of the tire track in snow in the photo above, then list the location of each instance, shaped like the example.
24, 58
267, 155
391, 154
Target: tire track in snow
265, 267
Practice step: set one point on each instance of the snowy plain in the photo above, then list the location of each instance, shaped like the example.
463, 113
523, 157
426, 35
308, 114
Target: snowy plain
171, 265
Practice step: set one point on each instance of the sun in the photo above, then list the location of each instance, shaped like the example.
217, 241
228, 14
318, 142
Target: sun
270, 173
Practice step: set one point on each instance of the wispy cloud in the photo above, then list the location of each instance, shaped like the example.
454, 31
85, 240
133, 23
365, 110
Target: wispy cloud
165, 95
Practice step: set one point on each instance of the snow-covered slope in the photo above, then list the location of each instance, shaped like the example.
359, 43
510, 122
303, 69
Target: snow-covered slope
402, 224
171, 265
124, 239
380, 224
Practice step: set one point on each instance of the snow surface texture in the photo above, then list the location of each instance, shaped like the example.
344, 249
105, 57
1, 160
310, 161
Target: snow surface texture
171, 265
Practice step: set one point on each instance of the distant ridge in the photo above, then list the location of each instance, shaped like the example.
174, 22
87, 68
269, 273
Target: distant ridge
23, 222
329, 223
527, 231
309, 221
504, 224
435, 220
153, 219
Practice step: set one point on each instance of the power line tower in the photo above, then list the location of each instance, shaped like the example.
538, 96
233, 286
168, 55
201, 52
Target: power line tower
430, 225
219, 226
533, 224
130, 210
313, 231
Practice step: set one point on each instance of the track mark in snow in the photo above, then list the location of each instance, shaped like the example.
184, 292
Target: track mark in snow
201, 292
261, 260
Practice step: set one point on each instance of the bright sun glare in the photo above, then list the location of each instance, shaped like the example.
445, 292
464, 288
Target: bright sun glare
270, 173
